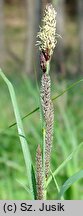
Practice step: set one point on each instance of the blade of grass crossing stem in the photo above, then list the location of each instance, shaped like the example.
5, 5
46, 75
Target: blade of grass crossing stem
23, 186
24, 117
53, 98
25, 148
64, 164
77, 176
56, 183
67, 89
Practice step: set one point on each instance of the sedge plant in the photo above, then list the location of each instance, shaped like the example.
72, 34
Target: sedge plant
47, 42
39, 180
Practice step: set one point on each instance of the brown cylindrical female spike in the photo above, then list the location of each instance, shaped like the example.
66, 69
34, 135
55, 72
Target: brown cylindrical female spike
39, 174
49, 139
48, 113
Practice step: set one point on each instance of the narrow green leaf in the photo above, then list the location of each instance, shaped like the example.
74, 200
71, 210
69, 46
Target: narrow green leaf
64, 163
77, 176
53, 98
34, 184
55, 181
23, 186
36, 109
67, 89
24, 145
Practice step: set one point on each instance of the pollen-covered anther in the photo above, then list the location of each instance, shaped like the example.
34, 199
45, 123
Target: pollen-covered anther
47, 34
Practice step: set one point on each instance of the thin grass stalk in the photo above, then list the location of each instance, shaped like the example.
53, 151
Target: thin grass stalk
47, 42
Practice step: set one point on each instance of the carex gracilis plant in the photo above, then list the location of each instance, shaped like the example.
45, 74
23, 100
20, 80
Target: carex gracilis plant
47, 42
38, 181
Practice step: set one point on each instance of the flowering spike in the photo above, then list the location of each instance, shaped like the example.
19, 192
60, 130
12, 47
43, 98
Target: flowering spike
47, 33
47, 42
48, 113
39, 174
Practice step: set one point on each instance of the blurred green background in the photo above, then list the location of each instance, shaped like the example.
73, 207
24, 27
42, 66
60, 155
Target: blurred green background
19, 59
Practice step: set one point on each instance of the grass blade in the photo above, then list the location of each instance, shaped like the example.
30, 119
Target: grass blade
55, 182
23, 186
63, 164
77, 176
33, 111
67, 89
25, 148
53, 98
